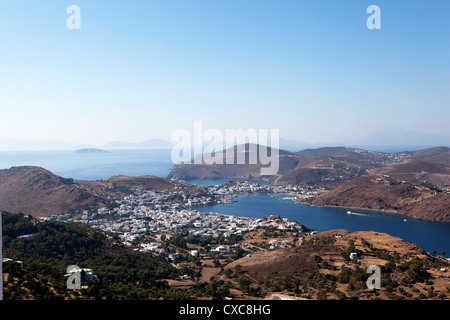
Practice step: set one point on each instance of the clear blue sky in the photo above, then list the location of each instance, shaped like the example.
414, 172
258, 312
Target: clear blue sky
140, 69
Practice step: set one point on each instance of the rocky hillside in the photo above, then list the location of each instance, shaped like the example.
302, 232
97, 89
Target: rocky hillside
320, 268
435, 155
36, 191
435, 208
39, 192
387, 193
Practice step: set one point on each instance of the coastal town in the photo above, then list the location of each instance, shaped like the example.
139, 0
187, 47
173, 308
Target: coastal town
144, 218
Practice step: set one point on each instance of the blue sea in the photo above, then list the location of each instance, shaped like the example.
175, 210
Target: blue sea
93, 166
432, 236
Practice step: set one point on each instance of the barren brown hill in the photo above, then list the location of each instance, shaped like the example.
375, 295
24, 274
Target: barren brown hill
36, 191
365, 156
287, 161
372, 192
417, 171
297, 262
326, 152
435, 155
435, 208
320, 267
386, 193
120, 186
320, 172
39, 192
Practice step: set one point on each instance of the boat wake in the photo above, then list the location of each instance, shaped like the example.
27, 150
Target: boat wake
356, 213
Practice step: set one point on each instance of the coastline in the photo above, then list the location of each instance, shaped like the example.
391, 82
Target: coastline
356, 208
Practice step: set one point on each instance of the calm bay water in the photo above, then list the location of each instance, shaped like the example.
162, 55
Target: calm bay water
95, 166
429, 235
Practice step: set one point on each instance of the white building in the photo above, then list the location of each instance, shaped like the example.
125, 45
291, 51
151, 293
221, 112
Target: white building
194, 253
174, 256
273, 242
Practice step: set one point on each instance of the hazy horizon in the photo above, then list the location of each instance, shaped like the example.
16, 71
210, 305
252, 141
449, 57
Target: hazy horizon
399, 140
138, 71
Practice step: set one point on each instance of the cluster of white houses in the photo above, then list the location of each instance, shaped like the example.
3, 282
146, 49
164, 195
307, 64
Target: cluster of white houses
152, 212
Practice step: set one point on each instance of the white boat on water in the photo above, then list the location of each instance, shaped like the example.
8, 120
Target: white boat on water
349, 212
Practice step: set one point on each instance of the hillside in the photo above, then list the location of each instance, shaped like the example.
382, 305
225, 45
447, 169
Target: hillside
387, 193
430, 165
122, 272
418, 171
325, 172
39, 192
365, 156
320, 268
436, 208
434, 155
36, 191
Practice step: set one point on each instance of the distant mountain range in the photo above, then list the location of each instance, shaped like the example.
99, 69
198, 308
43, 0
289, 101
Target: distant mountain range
91, 150
148, 144
394, 137
387, 140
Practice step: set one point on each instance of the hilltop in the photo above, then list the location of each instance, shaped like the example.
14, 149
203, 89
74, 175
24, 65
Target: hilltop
37, 191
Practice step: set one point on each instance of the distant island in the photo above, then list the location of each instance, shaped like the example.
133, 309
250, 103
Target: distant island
91, 150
